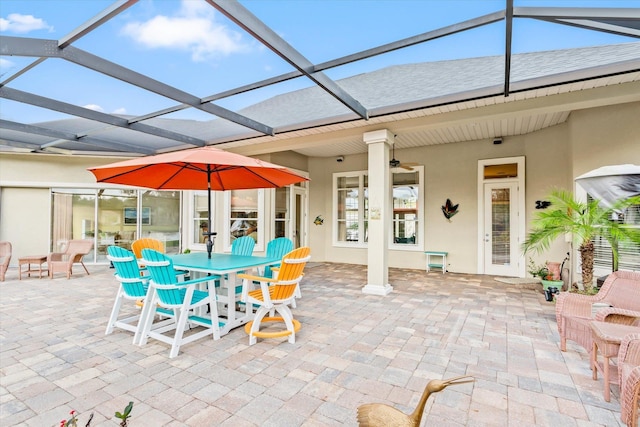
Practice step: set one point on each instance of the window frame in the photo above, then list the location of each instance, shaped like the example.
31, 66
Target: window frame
420, 207
362, 203
226, 238
286, 221
628, 258
360, 243
199, 245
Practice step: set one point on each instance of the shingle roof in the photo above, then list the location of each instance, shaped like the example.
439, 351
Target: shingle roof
388, 90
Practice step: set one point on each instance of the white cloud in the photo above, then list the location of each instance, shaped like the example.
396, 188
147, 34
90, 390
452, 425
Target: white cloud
17, 23
192, 29
5, 64
120, 110
94, 107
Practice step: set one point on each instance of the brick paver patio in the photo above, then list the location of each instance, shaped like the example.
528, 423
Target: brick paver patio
352, 349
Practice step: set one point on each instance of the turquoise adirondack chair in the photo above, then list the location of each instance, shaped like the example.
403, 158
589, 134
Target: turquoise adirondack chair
243, 246
133, 287
277, 248
183, 297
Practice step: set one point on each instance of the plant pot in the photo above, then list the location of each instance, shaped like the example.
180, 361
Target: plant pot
546, 284
554, 269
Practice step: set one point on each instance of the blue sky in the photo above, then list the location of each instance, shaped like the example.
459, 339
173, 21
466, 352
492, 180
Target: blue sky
189, 45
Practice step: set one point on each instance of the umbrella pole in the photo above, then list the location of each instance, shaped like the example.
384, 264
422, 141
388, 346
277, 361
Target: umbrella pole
209, 233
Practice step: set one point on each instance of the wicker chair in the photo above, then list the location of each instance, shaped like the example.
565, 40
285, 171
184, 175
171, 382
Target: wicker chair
5, 257
621, 291
629, 379
63, 261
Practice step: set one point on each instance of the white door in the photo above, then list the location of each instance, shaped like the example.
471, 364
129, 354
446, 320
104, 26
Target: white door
501, 251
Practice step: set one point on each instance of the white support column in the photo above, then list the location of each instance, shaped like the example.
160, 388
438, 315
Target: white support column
379, 212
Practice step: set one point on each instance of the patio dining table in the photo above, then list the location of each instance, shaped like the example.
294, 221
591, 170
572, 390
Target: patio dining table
226, 266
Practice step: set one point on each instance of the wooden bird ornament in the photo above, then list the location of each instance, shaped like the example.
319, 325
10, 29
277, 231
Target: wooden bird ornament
379, 414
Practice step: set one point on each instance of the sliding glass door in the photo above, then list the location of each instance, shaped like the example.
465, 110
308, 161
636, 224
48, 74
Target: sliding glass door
114, 217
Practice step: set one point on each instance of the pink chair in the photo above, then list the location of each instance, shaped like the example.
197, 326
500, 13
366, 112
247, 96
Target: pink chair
621, 291
5, 257
629, 379
63, 261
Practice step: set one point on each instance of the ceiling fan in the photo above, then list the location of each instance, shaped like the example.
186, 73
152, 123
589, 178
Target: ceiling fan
394, 163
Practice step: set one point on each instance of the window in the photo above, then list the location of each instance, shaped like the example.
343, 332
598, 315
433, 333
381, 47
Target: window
200, 217
506, 170
117, 220
160, 217
628, 252
245, 216
282, 215
114, 217
501, 226
73, 216
351, 208
405, 207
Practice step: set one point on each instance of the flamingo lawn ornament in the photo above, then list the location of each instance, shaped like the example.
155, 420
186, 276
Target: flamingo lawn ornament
379, 414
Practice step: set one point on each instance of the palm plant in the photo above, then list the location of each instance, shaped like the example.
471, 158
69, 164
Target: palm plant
585, 221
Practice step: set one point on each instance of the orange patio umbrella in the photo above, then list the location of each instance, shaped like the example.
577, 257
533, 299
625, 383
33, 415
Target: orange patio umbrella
204, 168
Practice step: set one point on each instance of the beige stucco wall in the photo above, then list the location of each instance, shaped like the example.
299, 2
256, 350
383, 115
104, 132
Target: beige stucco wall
605, 136
25, 198
24, 220
554, 156
49, 169
289, 159
450, 172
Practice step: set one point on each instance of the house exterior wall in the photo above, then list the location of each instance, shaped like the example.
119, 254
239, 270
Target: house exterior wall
25, 220
554, 156
450, 173
604, 136
25, 198
49, 169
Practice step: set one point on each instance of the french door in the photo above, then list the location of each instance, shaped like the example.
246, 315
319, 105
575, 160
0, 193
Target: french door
500, 237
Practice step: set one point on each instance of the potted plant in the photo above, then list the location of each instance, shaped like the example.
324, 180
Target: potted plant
543, 272
584, 221
540, 271
549, 282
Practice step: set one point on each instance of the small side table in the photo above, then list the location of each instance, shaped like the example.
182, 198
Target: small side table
606, 339
443, 258
32, 259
